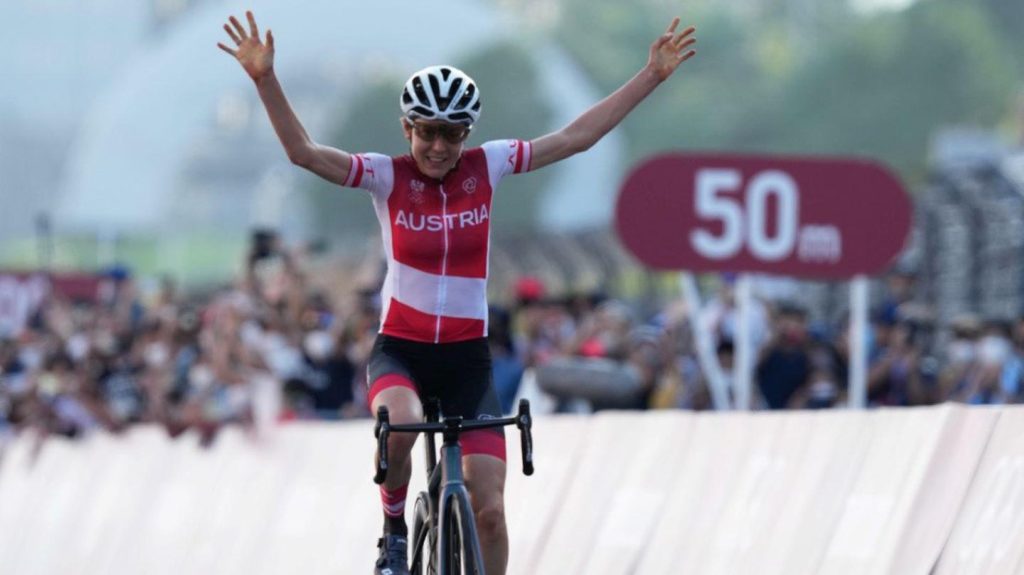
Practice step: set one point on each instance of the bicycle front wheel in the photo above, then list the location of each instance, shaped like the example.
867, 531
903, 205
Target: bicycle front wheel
457, 547
424, 538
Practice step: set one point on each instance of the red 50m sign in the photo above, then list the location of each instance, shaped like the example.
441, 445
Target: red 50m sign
806, 217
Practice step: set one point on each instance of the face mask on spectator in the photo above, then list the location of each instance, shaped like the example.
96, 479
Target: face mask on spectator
318, 345
251, 335
77, 347
823, 389
201, 377
156, 355
282, 358
49, 385
105, 342
31, 357
960, 351
15, 384
993, 350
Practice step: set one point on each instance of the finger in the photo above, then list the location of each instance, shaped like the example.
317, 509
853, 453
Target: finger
685, 34
687, 56
238, 28
270, 39
662, 40
685, 44
672, 26
232, 34
253, 30
226, 49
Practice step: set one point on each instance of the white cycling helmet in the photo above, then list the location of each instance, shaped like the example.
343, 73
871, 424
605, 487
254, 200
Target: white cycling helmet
441, 93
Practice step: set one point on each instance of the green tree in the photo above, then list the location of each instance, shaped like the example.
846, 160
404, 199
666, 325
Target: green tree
513, 107
805, 77
744, 56
371, 125
1008, 16
882, 89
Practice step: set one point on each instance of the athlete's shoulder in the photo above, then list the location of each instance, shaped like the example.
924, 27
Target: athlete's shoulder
510, 156
474, 155
371, 171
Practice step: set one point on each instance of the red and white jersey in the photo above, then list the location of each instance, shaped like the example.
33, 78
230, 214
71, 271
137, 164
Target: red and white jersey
437, 238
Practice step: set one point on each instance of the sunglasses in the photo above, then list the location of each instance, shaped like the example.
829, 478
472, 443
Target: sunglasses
452, 133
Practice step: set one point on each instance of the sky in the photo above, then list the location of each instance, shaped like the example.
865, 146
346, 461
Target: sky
65, 58
879, 5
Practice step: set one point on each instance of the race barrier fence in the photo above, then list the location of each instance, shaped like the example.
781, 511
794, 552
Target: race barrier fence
888, 491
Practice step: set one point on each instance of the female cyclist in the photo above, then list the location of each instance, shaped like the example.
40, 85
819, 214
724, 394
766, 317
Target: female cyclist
434, 209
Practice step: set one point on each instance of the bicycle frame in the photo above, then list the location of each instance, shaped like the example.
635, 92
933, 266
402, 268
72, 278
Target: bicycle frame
447, 497
454, 500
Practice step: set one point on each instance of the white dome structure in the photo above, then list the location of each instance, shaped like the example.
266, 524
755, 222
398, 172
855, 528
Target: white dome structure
128, 168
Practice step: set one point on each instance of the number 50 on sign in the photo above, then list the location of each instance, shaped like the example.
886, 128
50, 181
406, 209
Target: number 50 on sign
829, 218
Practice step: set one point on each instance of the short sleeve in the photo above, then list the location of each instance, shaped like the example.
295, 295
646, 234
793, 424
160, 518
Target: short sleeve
371, 172
506, 157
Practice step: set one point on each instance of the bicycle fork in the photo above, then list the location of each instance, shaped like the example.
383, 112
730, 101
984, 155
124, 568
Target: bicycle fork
456, 512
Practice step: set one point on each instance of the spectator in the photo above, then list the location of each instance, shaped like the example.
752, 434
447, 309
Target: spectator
894, 370
202, 361
898, 295
828, 378
605, 333
1012, 377
785, 368
982, 381
505, 362
720, 317
323, 387
961, 366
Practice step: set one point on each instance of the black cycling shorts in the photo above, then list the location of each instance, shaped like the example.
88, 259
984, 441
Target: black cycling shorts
458, 374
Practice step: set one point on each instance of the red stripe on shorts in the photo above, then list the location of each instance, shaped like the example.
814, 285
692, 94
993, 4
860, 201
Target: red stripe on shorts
388, 381
483, 442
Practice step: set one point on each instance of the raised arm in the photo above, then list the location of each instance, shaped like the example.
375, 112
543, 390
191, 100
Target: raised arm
257, 59
666, 54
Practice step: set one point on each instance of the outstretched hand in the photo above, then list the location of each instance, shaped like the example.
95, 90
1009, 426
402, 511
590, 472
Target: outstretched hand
255, 56
670, 50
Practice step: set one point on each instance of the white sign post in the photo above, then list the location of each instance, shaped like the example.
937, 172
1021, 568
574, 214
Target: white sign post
743, 363
705, 346
858, 394
804, 217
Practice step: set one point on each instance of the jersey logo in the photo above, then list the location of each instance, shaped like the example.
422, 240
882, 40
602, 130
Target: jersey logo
469, 185
435, 223
416, 188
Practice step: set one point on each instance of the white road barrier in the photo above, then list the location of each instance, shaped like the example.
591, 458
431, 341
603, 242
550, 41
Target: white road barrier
894, 491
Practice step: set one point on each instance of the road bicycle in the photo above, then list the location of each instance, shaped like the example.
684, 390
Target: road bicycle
444, 533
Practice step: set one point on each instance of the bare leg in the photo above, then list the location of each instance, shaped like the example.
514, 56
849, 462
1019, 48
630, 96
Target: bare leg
485, 479
403, 408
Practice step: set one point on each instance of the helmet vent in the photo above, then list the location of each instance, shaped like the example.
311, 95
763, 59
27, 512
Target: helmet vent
442, 93
435, 88
421, 94
425, 112
467, 96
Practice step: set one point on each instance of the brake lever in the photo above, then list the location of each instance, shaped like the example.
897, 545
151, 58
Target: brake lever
524, 422
381, 431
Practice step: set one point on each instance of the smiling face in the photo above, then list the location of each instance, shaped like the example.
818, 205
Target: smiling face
436, 146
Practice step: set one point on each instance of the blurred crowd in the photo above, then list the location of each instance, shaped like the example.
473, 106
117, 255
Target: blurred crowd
587, 353
266, 349
272, 348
